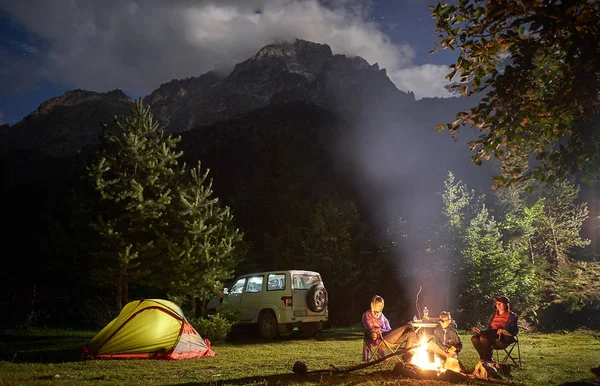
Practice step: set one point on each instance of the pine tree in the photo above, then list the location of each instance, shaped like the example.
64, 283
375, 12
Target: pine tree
329, 244
519, 222
457, 202
488, 270
558, 235
200, 245
132, 177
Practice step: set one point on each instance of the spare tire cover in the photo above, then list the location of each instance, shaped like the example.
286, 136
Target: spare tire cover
317, 298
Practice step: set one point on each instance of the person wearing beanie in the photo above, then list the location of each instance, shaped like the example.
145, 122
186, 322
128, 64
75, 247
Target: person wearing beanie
502, 327
446, 343
377, 325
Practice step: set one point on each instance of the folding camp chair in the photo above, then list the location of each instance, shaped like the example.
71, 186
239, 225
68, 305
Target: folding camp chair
508, 351
377, 348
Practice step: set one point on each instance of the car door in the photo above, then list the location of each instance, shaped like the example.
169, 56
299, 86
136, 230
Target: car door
299, 291
252, 298
234, 298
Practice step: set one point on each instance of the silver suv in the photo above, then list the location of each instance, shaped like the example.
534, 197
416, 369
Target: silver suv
278, 301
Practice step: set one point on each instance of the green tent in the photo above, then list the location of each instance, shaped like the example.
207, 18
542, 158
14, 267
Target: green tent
150, 328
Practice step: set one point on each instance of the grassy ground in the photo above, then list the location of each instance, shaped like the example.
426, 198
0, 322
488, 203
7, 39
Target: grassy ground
53, 357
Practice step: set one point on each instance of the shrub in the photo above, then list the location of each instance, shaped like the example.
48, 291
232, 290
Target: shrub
214, 327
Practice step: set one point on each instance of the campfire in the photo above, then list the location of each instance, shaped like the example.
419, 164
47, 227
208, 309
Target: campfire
425, 360
426, 365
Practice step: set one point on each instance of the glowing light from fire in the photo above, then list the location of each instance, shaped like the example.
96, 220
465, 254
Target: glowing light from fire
421, 358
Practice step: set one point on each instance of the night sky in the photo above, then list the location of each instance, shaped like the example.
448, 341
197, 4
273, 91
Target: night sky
50, 47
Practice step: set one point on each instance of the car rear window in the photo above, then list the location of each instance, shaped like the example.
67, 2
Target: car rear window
305, 281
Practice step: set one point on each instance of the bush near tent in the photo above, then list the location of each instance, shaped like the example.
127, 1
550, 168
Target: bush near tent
150, 328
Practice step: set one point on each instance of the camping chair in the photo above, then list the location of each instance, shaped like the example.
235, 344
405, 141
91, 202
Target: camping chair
378, 348
508, 350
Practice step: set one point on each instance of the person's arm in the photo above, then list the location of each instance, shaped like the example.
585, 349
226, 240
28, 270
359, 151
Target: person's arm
512, 326
385, 324
375, 325
455, 340
369, 322
489, 325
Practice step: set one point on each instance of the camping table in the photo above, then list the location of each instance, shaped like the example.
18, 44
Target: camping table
418, 324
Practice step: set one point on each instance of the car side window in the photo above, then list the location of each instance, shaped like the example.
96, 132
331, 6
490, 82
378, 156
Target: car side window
238, 286
254, 284
276, 282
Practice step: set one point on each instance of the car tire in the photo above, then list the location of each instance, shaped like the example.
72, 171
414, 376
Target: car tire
267, 325
317, 298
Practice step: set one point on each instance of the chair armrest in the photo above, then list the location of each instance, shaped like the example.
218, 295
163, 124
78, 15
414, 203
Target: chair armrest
505, 332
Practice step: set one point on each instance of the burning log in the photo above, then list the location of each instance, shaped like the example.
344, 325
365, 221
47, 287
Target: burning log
409, 370
301, 368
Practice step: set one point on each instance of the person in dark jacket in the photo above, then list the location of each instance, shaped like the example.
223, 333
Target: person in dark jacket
446, 343
502, 328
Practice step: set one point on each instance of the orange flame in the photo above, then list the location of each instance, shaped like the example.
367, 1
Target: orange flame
421, 357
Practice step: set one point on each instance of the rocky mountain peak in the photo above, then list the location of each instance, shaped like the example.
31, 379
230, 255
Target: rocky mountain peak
277, 74
300, 57
64, 125
179, 88
79, 97
308, 55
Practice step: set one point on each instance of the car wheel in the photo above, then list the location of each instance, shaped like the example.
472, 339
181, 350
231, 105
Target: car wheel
317, 298
267, 325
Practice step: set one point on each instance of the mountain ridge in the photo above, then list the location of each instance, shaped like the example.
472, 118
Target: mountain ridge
277, 73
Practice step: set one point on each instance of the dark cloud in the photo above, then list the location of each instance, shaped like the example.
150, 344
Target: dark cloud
137, 45
18, 73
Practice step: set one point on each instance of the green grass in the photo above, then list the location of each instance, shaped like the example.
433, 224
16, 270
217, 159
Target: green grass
53, 357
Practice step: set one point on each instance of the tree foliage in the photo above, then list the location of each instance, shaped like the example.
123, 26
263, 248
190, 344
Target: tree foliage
457, 204
518, 221
537, 63
327, 241
158, 224
200, 244
132, 177
488, 269
558, 234
457, 200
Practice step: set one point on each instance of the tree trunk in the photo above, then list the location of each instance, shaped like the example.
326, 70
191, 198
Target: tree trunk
125, 291
204, 301
118, 298
556, 252
531, 250
193, 302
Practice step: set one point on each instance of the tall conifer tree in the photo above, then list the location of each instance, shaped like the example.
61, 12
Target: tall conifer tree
201, 247
132, 176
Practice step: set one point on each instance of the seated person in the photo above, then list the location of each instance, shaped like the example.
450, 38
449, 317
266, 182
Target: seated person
446, 343
500, 332
377, 324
